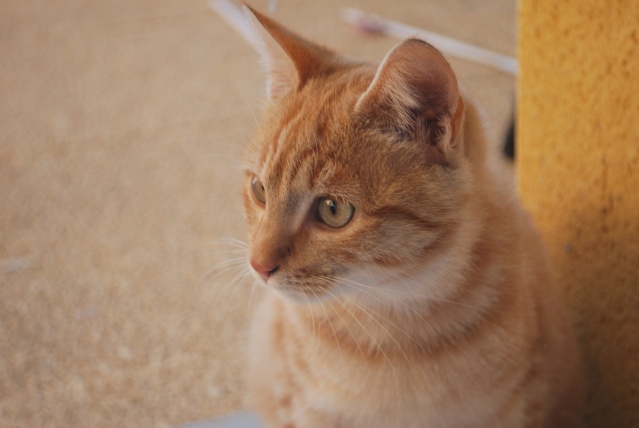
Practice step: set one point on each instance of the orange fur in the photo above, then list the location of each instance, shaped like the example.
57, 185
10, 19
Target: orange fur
434, 306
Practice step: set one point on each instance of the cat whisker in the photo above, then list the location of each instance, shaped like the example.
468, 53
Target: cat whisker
308, 302
222, 290
348, 329
235, 251
405, 304
231, 261
232, 242
390, 295
394, 299
226, 155
375, 342
239, 277
248, 104
337, 299
239, 124
368, 311
253, 288
330, 324
223, 266
391, 292
230, 265
331, 281
236, 265
238, 287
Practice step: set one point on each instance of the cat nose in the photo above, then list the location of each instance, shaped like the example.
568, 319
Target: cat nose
264, 270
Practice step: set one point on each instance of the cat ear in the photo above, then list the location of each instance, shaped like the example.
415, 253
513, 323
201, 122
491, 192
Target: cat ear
415, 93
290, 60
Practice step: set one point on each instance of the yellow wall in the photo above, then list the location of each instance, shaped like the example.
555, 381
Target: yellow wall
578, 160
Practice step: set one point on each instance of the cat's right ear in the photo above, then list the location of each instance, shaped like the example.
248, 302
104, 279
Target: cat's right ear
290, 60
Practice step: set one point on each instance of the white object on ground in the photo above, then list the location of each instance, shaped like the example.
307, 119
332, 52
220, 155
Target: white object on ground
374, 24
233, 13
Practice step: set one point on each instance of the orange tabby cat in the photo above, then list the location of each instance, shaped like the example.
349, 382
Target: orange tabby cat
407, 288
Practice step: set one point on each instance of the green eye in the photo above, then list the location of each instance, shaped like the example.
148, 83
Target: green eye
334, 213
258, 190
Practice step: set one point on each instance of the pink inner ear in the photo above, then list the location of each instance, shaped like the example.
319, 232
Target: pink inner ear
429, 114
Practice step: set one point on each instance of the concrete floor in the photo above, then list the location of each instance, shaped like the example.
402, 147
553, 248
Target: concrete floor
122, 125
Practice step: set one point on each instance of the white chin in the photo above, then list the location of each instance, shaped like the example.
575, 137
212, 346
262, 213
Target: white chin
298, 296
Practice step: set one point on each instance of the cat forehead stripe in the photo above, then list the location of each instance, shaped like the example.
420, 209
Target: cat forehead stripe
296, 151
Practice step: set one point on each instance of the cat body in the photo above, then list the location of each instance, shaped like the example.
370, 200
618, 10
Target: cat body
406, 285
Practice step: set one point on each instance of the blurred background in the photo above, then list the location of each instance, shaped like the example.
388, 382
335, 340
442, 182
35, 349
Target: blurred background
122, 128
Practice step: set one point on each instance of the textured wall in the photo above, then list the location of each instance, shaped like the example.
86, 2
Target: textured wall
578, 157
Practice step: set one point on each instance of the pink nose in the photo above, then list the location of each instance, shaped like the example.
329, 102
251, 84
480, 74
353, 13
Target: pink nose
264, 270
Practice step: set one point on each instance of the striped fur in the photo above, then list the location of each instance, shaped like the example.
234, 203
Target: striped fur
435, 306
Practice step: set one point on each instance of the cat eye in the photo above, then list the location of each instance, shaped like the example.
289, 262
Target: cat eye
334, 213
258, 189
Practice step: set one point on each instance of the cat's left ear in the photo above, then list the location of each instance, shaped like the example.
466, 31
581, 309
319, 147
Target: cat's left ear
415, 94
290, 60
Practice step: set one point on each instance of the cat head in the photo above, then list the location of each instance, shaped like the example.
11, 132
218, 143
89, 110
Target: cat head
357, 171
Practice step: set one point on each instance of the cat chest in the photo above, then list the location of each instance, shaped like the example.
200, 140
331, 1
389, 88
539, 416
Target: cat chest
399, 389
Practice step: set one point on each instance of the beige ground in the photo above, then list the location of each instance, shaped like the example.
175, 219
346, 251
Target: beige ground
121, 126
